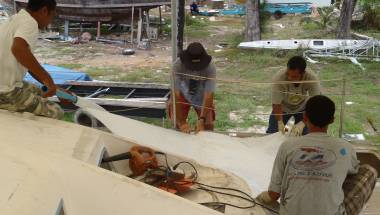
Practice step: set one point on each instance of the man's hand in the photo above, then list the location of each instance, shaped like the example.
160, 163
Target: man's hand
200, 125
51, 90
269, 199
281, 126
297, 129
185, 128
265, 198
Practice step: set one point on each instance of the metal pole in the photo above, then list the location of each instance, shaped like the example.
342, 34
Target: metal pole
342, 107
160, 31
174, 10
147, 25
181, 25
66, 31
132, 29
14, 6
98, 31
139, 28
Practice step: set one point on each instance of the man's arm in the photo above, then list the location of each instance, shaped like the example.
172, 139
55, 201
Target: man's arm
315, 88
277, 110
278, 172
24, 56
277, 98
354, 163
205, 110
208, 98
274, 190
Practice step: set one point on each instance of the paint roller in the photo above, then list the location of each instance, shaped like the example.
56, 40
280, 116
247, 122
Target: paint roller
76, 100
63, 95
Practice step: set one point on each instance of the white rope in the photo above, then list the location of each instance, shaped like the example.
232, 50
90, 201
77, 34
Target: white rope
258, 83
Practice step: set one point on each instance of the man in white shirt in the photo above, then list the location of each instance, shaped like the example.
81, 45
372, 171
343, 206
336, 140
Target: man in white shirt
319, 174
18, 38
289, 99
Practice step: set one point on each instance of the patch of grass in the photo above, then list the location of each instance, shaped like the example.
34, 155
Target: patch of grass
196, 32
311, 26
68, 117
196, 27
234, 39
64, 50
143, 75
102, 71
243, 105
71, 65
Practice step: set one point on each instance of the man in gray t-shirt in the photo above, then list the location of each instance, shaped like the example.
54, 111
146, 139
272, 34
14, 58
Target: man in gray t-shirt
309, 172
288, 99
194, 87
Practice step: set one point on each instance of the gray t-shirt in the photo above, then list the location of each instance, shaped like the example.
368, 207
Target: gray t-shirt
309, 172
293, 98
193, 87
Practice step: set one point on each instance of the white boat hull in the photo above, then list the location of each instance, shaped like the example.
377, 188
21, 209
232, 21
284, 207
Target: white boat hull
302, 44
52, 165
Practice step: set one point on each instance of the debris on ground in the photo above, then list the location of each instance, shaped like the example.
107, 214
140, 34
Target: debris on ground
128, 52
353, 137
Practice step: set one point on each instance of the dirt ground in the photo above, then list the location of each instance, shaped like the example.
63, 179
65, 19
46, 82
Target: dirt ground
85, 57
95, 54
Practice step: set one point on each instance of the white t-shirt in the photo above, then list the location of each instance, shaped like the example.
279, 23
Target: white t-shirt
293, 98
21, 25
309, 172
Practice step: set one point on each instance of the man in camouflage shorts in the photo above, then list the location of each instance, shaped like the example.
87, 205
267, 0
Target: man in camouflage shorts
18, 39
28, 98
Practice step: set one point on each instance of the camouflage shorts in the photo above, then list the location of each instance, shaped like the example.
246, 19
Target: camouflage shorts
29, 98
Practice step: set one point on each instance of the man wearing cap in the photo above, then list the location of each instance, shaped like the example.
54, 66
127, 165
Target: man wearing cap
194, 86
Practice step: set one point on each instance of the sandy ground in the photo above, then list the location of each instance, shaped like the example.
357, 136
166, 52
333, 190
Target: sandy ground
97, 54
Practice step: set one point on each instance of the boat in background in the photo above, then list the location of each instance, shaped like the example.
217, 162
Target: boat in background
302, 44
101, 10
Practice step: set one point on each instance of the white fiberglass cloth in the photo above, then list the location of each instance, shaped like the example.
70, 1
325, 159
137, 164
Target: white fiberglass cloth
251, 159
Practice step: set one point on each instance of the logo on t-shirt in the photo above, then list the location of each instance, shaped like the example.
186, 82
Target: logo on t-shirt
313, 158
295, 99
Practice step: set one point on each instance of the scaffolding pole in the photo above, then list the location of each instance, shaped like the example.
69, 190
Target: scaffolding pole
174, 10
132, 23
342, 107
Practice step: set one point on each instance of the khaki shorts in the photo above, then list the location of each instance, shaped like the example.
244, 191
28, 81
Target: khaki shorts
29, 98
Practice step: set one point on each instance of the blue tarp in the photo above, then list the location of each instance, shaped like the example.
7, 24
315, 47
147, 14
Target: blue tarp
235, 10
60, 75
